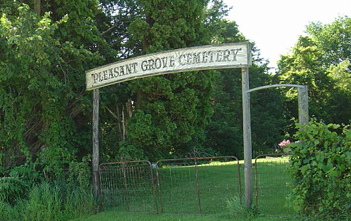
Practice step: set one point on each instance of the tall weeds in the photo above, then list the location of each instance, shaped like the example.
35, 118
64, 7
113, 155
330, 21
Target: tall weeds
49, 203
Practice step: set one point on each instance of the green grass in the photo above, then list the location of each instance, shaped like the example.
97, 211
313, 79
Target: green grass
125, 216
218, 190
273, 181
46, 202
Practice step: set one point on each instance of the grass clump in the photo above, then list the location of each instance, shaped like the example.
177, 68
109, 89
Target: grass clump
237, 209
49, 202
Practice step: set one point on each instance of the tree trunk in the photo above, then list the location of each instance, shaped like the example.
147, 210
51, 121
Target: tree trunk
129, 112
129, 108
37, 6
119, 122
123, 126
139, 99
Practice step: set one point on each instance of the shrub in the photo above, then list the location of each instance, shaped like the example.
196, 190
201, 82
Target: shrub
30, 173
9, 212
12, 189
320, 167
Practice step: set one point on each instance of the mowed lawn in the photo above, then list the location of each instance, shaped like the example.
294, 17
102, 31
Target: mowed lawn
130, 216
184, 194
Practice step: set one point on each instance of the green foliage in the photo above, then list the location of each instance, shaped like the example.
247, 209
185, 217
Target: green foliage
79, 173
320, 167
333, 39
321, 60
43, 110
47, 202
12, 189
45, 113
29, 173
224, 132
43, 204
162, 115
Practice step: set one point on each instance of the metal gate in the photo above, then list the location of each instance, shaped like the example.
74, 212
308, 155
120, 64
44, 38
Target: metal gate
188, 185
129, 186
195, 185
272, 184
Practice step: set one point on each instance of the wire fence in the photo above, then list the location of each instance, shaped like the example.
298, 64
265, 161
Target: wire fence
194, 185
128, 186
272, 185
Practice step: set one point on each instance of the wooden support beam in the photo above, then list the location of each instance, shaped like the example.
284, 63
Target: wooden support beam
95, 161
247, 136
303, 105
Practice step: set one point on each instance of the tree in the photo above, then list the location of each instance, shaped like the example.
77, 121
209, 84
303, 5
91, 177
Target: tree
43, 108
224, 133
171, 111
321, 60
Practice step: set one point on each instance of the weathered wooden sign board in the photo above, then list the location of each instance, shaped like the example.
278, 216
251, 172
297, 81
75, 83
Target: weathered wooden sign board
180, 60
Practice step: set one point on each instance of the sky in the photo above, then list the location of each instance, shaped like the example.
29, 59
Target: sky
275, 25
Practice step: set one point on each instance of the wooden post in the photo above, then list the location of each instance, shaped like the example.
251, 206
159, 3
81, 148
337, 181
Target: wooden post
247, 136
303, 105
96, 100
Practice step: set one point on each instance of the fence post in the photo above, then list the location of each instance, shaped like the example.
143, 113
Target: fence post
96, 100
247, 136
125, 185
303, 105
197, 185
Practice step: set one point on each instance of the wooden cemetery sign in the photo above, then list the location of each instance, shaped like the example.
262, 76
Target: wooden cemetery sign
236, 55
180, 60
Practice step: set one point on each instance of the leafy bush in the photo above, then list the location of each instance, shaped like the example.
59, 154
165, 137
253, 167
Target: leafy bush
12, 189
79, 173
30, 173
320, 167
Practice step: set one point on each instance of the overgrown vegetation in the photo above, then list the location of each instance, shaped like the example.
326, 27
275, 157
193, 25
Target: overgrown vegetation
321, 168
45, 113
47, 202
